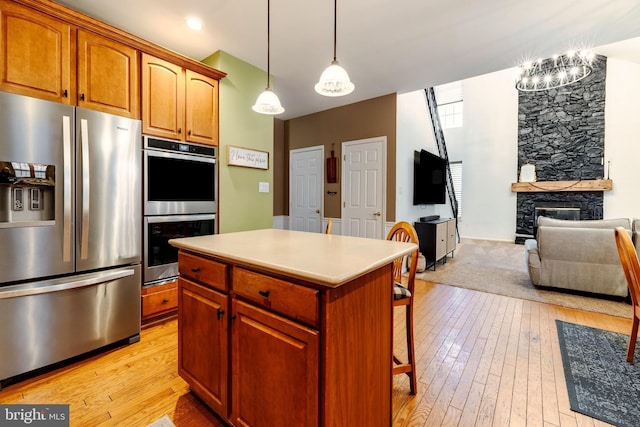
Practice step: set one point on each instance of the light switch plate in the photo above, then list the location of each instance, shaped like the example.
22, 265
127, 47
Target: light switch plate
263, 187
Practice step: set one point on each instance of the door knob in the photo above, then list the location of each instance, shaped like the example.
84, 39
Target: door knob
317, 211
377, 213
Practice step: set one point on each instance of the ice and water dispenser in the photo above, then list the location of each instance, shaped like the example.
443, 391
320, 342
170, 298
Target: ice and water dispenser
27, 194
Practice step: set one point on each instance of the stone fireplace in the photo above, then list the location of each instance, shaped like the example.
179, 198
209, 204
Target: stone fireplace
561, 132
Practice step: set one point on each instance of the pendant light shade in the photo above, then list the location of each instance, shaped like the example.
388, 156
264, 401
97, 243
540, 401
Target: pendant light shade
268, 102
334, 80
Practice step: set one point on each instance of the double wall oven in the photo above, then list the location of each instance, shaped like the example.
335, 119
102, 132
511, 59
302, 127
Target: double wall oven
180, 200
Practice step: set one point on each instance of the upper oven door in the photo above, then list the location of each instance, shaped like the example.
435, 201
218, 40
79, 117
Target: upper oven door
177, 184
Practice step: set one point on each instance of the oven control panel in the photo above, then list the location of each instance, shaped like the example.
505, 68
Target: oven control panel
180, 147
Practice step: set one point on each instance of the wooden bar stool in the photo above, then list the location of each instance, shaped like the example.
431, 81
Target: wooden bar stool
403, 296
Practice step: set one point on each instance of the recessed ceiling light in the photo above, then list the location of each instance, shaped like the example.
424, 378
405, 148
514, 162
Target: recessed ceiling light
194, 23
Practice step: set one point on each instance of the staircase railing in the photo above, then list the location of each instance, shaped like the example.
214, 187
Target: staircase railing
442, 148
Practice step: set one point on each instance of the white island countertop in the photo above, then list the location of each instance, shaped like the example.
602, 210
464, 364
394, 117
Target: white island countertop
327, 259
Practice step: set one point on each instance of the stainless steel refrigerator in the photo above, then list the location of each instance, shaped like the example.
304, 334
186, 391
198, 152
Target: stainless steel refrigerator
70, 232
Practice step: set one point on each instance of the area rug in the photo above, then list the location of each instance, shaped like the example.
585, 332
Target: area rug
500, 268
165, 421
601, 384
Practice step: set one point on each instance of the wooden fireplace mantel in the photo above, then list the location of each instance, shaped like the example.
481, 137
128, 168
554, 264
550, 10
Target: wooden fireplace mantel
553, 186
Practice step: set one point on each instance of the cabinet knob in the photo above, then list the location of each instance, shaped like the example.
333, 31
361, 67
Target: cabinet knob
220, 313
82, 97
189, 132
65, 93
164, 301
179, 130
377, 213
195, 270
264, 293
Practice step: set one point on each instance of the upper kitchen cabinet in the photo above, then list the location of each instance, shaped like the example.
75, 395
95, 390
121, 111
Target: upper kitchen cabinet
46, 57
178, 103
108, 76
36, 54
201, 108
162, 98
50, 51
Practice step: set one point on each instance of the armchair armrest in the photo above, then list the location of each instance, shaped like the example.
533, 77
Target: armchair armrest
532, 259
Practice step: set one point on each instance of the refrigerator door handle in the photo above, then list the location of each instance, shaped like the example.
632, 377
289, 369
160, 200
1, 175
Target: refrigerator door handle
84, 233
66, 188
48, 286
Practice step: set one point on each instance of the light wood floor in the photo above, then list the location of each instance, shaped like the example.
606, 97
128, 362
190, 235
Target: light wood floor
483, 360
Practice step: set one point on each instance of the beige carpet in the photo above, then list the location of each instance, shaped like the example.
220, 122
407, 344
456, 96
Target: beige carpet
499, 268
165, 421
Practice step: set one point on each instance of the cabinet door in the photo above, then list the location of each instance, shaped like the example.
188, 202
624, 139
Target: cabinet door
107, 76
441, 240
162, 98
274, 370
451, 236
203, 343
35, 51
201, 109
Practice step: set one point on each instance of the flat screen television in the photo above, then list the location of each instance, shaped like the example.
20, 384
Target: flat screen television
429, 186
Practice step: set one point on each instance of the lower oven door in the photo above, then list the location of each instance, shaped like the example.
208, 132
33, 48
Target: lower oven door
160, 258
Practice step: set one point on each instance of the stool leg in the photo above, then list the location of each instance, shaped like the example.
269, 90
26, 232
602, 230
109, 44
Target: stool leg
410, 349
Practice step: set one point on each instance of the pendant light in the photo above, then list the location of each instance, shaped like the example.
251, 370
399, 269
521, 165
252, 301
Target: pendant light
268, 102
334, 80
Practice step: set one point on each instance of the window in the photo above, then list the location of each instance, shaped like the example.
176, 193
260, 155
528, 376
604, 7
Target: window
456, 175
449, 99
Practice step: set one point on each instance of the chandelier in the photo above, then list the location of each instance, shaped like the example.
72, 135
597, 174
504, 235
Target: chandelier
554, 72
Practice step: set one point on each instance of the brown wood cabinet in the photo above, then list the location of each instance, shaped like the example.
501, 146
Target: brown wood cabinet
296, 354
161, 300
203, 343
108, 76
52, 52
178, 103
280, 359
201, 108
203, 336
37, 53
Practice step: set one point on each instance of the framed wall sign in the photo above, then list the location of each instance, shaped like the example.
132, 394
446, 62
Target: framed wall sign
237, 156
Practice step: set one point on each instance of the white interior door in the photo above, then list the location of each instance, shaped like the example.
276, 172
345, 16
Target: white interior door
364, 187
306, 177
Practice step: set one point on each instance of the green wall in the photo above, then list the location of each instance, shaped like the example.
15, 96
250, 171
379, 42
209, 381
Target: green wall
240, 205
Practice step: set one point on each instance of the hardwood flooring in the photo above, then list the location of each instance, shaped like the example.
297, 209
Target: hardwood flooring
483, 360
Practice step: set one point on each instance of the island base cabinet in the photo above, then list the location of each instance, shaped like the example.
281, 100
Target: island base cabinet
203, 343
274, 369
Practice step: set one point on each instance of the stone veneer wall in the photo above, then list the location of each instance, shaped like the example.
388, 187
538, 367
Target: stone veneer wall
561, 132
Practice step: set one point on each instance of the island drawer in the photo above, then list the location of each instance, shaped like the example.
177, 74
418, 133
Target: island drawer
205, 271
291, 300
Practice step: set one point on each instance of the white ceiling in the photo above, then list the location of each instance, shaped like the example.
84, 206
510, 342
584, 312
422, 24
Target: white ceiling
386, 45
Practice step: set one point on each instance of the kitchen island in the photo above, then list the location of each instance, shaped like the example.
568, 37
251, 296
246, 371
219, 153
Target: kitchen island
287, 328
